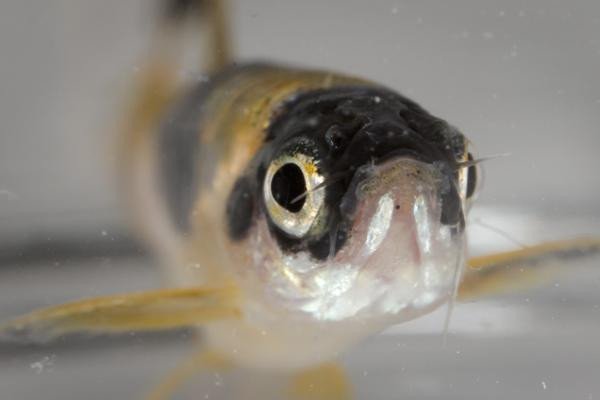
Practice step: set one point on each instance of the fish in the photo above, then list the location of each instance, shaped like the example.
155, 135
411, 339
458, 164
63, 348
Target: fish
295, 211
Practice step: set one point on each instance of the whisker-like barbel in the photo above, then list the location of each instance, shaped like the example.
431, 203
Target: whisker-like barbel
470, 163
329, 181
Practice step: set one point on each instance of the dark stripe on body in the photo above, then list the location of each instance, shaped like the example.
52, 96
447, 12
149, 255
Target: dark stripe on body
178, 145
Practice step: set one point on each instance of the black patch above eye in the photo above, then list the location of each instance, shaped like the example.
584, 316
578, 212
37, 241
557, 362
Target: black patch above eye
287, 184
471, 178
240, 209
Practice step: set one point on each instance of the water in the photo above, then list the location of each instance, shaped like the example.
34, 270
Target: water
518, 78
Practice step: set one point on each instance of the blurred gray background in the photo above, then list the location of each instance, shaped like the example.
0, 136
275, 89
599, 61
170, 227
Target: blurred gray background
518, 77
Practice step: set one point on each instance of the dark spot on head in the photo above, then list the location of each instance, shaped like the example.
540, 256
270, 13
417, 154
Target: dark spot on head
334, 138
321, 248
397, 206
240, 209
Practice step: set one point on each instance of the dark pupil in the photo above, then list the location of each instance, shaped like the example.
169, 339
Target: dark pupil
287, 184
471, 178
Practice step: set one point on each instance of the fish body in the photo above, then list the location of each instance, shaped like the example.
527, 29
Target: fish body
335, 204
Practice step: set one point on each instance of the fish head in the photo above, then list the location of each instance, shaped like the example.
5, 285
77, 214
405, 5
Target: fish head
358, 209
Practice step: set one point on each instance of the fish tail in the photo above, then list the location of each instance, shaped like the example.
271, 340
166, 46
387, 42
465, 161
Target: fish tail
153, 89
157, 78
156, 85
213, 18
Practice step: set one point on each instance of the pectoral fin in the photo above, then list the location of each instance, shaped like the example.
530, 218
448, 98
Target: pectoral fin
200, 361
325, 382
146, 311
525, 268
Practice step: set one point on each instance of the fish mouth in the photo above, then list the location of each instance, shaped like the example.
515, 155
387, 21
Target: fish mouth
401, 258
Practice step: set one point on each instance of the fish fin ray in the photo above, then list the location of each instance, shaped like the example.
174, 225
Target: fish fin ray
200, 361
144, 311
324, 382
522, 269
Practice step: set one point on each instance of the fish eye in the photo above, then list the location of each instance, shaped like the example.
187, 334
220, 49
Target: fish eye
288, 186
470, 179
291, 193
